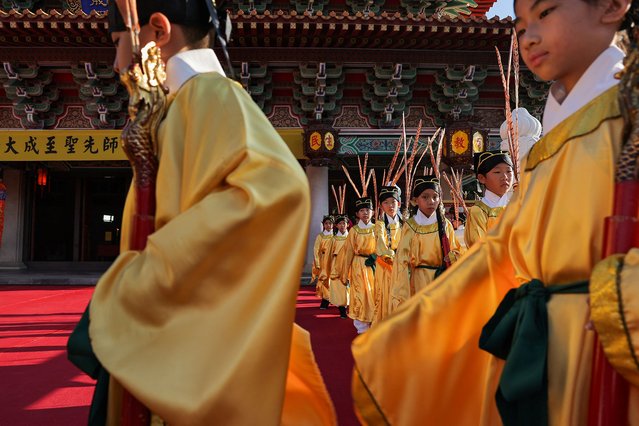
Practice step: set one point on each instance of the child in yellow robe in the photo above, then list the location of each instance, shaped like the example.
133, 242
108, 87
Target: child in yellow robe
357, 260
494, 171
338, 289
198, 325
420, 257
322, 260
387, 231
424, 364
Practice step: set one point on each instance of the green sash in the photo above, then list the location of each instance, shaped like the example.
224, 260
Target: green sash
80, 353
518, 333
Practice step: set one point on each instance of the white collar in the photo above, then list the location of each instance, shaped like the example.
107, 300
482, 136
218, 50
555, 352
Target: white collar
493, 200
325, 232
422, 220
599, 77
363, 225
185, 65
339, 234
391, 220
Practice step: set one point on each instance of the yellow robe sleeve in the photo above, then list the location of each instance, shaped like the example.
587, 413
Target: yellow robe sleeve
316, 256
381, 235
400, 286
304, 381
346, 254
614, 300
198, 325
326, 261
476, 226
456, 249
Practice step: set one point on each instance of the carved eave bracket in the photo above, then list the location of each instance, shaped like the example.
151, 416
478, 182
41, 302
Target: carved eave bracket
318, 91
35, 99
105, 99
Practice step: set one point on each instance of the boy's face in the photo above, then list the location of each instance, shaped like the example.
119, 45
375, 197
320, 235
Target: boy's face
390, 206
427, 201
559, 39
328, 225
364, 214
498, 180
341, 226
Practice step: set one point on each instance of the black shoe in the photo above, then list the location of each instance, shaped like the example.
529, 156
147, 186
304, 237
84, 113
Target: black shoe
342, 311
324, 304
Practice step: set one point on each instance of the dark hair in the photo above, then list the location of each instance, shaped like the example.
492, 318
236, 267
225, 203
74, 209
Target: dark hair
196, 37
631, 20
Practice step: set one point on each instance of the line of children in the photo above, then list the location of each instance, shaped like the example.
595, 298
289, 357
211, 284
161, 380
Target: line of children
494, 171
322, 260
424, 364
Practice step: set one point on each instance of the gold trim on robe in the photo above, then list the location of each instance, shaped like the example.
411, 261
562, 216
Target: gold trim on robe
481, 219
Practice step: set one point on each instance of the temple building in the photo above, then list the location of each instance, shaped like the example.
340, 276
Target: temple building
349, 68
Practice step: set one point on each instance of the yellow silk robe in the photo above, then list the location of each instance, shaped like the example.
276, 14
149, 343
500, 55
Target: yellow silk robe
322, 264
198, 325
423, 365
387, 242
419, 245
359, 245
481, 219
338, 288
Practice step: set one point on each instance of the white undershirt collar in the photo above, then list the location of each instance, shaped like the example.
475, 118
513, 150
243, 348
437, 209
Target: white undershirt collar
339, 234
599, 77
363, 225
325, 232
422, 220
493, 200
183, 66
391, 220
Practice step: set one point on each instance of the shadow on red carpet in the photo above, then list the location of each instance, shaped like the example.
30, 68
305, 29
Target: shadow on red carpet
39, 386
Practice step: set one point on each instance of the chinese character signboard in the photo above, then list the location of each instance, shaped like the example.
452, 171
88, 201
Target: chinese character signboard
61, 145
461, 143
97, 5
320, 144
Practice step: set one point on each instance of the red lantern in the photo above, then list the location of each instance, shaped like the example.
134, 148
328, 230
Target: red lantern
42, 177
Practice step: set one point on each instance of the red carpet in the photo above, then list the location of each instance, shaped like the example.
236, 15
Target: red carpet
38, 386
331, 337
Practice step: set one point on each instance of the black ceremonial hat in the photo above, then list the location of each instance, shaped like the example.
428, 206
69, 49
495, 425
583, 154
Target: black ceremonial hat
426, 182
192, 13
364, 203
341, 217
329, 218
390, 191
484, 162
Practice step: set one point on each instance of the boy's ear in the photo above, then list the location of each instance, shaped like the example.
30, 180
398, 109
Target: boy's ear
160, 26
481, 179
615, 11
